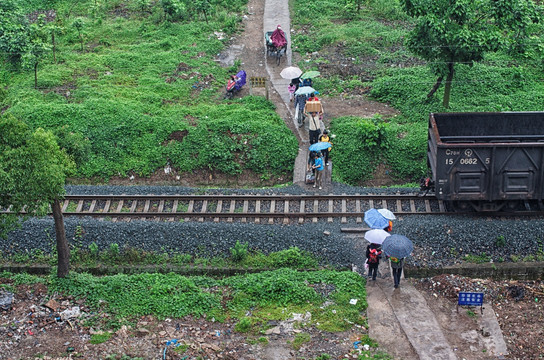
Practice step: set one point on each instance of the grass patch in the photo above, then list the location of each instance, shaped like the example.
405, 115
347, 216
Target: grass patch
300, 339
100, 338
478, 259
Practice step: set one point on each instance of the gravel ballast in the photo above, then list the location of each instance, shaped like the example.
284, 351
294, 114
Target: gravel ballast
439, 240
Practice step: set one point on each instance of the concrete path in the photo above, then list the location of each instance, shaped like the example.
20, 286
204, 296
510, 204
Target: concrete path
401, 321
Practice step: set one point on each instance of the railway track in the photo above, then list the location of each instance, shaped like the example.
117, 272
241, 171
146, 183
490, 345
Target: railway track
245, 208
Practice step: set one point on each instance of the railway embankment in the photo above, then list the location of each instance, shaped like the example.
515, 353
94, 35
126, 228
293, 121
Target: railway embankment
515, 271
503, 271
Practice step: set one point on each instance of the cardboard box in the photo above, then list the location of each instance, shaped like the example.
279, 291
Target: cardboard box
313, 106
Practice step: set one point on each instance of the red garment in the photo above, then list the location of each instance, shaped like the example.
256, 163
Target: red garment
231, 84
278, 38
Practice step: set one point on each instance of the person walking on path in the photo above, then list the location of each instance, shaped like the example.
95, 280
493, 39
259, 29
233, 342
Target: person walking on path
291, 88
373, 255
325, 138
318, 166
396, 265
314, 127
311, 162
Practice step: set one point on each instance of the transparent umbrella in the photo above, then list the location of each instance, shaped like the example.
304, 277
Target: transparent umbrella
388, 214
290, 72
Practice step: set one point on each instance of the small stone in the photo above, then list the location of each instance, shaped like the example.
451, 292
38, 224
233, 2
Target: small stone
275, 330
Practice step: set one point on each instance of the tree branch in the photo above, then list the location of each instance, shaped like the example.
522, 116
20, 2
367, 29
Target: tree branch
435, 87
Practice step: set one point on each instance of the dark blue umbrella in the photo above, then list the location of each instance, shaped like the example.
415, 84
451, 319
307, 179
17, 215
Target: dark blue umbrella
398, 246
374, 219
318, 146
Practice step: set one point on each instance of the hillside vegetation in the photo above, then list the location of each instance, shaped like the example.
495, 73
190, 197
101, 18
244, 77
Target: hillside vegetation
132, 87
365, 52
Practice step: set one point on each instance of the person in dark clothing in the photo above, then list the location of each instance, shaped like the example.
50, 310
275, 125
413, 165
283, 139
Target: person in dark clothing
373, 255
396, 265
296, 82
311, 161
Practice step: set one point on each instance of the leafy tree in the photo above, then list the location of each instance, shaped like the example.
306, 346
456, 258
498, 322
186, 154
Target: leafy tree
203, 7
172, 8
54, 28
13, 32
37, 46
33, 171
462, 31
353, 7
78, 24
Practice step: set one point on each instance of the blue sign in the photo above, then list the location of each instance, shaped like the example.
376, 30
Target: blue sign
471, 299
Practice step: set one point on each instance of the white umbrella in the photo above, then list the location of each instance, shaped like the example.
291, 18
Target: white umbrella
376, 236
387, 214
290, 72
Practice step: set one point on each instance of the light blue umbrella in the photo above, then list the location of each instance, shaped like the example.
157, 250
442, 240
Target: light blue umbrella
305, 90
318, 146
398, 246
375, 220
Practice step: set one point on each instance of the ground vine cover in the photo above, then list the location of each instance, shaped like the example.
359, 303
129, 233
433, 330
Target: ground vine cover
371, 43
145, 91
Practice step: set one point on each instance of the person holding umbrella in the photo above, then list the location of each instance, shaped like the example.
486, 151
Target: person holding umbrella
388, 214
396, 265
373, 251
396, 247
373, 255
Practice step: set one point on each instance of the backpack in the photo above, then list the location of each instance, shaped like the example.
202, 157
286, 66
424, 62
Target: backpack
373, 257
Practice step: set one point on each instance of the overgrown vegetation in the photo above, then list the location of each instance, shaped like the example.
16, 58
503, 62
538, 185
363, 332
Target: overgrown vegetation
241, 257
364, 51
132, 88
269, 295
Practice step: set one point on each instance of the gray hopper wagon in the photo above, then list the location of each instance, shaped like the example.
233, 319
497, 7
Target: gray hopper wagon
487, 161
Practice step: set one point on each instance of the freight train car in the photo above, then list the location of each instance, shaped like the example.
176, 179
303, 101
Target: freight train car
487, 161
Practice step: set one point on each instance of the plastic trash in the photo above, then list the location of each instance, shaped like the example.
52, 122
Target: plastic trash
6, 298
168, 343
356, 344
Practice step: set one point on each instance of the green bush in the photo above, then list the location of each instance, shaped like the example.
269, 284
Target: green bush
244, 325
358, 147
239, 252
